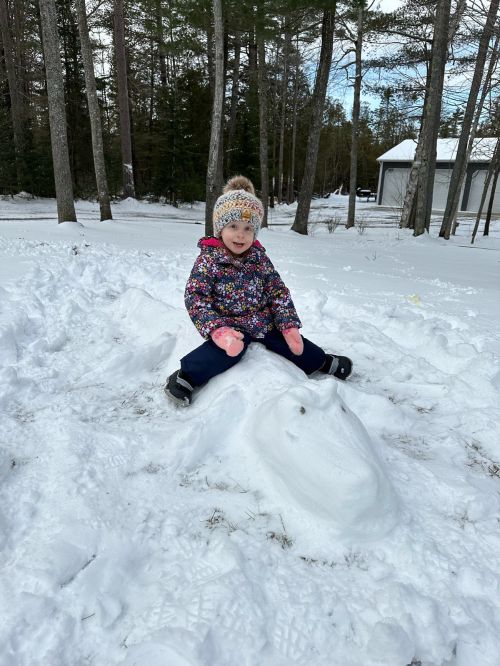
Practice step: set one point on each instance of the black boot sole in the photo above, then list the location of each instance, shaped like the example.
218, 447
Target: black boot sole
179, 402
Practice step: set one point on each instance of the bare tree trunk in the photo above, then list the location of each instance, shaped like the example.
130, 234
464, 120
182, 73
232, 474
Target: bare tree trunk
456, 18
123, 103
407, 220
212, 190
408, 211
493, 168
174, 110
20, 55
460, 165
417, 206
21, 48
57, 112
162, 54
427, 169
273, 87
284, 88
291, 176
220, 161
486, 90
486, 231
234, 98
320, 85
15, 103
210, 54
94, 112
263, 138
356, 106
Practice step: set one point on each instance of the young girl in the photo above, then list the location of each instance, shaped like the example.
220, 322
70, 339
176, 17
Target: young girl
235, 296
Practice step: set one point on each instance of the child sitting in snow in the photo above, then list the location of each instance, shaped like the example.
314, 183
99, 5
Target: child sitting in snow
235, 296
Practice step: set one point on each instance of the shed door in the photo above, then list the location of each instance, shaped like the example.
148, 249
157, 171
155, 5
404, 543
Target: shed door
476, 190
395, 182
441, 185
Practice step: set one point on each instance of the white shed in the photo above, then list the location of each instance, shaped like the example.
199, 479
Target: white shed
395, 167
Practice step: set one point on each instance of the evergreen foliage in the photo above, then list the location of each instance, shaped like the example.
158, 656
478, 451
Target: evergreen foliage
170, 71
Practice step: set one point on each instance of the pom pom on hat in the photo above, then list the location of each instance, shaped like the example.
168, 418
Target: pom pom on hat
238, 203
239, 183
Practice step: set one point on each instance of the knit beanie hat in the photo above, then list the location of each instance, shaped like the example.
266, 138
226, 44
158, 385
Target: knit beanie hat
238, 203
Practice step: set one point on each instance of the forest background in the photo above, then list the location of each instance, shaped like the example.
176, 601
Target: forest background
159, 59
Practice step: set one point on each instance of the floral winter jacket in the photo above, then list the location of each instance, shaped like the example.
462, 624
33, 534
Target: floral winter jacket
244, 293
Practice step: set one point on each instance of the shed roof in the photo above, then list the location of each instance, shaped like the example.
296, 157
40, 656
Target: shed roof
482, 150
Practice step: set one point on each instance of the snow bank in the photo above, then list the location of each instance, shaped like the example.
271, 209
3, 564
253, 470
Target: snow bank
281, 519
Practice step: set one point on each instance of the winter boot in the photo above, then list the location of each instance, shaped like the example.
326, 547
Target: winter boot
178, 389
338, 366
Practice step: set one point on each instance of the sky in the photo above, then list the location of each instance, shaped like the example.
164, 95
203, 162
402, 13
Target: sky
389, 5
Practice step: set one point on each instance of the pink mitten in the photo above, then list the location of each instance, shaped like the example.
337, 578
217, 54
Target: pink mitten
294, 340
229, 340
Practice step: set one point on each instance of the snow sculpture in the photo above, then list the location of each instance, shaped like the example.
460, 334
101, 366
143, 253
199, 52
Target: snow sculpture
321, 458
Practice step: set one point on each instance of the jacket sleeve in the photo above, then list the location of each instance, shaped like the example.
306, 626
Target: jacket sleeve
198, 297
279, 300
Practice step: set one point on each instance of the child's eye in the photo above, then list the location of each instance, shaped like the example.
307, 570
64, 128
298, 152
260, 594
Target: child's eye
234, 226
248, 228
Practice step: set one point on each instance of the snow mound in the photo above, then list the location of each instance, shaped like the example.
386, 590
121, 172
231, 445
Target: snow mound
71, 229
130, 202
321, 459
144, 316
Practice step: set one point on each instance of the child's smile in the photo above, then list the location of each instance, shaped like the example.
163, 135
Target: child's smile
237, 237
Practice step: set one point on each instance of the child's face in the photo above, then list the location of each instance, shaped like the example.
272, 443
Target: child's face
237, 236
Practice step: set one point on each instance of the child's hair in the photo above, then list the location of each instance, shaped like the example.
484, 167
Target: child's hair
239, 183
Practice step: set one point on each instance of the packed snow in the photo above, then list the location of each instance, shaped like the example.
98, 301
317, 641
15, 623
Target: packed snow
280, 520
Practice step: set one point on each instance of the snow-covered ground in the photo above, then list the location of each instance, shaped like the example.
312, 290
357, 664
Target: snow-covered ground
281, 519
